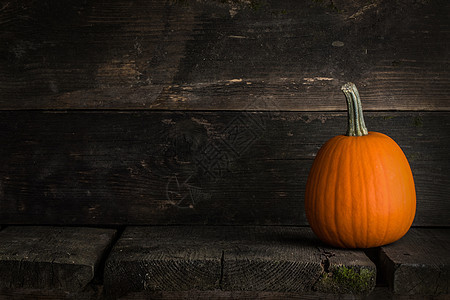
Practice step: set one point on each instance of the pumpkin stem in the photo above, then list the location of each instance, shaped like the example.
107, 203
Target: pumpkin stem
356, 125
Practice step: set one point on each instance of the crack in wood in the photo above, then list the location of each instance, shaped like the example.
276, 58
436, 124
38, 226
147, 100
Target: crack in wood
325, 264
222, 262
326, 261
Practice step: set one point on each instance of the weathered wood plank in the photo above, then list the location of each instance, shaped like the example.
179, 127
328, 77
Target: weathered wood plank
289, 259
419, 263
167, 258
61, 258
192, 167
215, 55
377, 293
90, 292
66, 53
283, 259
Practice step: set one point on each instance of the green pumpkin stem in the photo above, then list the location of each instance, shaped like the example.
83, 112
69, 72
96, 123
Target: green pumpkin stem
356, 125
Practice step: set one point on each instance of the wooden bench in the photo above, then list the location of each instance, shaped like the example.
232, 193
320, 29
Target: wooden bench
214, 261
161, 149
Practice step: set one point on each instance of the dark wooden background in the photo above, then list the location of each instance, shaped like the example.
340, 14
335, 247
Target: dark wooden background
209, 112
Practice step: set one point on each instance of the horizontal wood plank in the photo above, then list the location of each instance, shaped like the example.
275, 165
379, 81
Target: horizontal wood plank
51, 258
377, 293
166, 258
216, 55
419, 263
192, 167
283, 259
90, 292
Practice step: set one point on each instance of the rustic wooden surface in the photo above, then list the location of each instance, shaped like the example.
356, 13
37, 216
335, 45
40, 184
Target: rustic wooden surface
419, 263
88, 293
377, 294
93, 147
209, 55
137, 112
167, 258
61, 258
251, 263
192, 167
182, 258
289, 259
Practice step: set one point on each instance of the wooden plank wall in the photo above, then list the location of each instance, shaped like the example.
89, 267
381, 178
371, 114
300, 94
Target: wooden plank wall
209, 112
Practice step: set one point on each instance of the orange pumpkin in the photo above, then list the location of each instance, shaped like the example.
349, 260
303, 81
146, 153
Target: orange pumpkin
360, 190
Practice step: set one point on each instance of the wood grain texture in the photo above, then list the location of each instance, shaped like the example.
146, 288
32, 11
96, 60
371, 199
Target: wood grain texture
377, 293
90, 292
164, 258
182, 258
60, 258
419, 263
216, 55
289, 259
73, 52
192, 167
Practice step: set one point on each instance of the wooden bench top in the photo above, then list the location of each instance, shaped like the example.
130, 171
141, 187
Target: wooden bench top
166, 261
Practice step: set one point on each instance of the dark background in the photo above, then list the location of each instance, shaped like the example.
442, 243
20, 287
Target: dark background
209, 112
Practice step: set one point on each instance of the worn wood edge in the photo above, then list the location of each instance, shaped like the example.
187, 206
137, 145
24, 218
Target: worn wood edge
387, 268
85, 270
392, 270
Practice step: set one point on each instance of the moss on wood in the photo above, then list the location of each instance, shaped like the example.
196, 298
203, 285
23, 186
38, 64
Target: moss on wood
341, 279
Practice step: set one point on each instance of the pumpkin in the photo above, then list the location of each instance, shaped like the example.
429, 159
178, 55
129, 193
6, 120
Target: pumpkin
360, 190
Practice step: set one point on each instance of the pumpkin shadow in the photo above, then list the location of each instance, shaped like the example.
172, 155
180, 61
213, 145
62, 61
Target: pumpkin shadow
291, 237
301, 238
